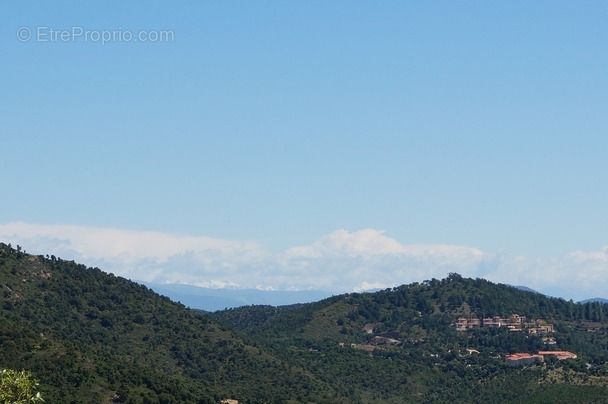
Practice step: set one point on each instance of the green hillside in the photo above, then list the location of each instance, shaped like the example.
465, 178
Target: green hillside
91, 337
401, 344
88, 337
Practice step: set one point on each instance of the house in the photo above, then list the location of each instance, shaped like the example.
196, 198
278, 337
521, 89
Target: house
541, 329
560, 355
549, 341
514, 323
521, 359
495, 322
517, 319
463, 323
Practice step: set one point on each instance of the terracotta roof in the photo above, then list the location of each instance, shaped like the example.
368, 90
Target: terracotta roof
559, 354
520, 355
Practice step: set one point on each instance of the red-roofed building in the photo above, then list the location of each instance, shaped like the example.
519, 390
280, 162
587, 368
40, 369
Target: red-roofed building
561, 355
520, 359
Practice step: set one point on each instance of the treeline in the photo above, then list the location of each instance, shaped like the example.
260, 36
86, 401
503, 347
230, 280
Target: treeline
456, 294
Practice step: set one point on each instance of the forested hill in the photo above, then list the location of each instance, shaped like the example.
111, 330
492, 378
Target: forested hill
89, 337
443, 301
403, 344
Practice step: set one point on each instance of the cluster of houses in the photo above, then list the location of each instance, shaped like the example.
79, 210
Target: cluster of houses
520, 359
514, 323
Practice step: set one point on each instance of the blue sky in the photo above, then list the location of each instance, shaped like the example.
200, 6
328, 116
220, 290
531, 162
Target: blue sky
285, 126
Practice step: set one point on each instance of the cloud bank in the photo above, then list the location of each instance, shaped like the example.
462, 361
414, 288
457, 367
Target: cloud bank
339, 262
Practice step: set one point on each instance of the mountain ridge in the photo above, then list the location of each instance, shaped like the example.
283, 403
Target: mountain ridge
213, 299
594, 300
89, 336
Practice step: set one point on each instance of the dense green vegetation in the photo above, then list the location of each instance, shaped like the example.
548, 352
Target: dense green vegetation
88, 336
430, 361
18, 387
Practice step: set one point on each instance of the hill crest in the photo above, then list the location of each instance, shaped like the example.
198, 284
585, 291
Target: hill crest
91, 336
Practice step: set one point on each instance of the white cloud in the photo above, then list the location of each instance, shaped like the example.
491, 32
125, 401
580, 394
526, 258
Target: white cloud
339, 262
107, 242
141, 255
577, 275
346, 261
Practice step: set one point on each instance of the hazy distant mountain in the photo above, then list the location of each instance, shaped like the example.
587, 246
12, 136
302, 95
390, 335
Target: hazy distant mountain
218, 299
209, 299
593, 300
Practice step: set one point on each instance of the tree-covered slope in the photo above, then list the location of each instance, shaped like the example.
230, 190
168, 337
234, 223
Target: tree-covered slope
431, 306
89, 337
401, 344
